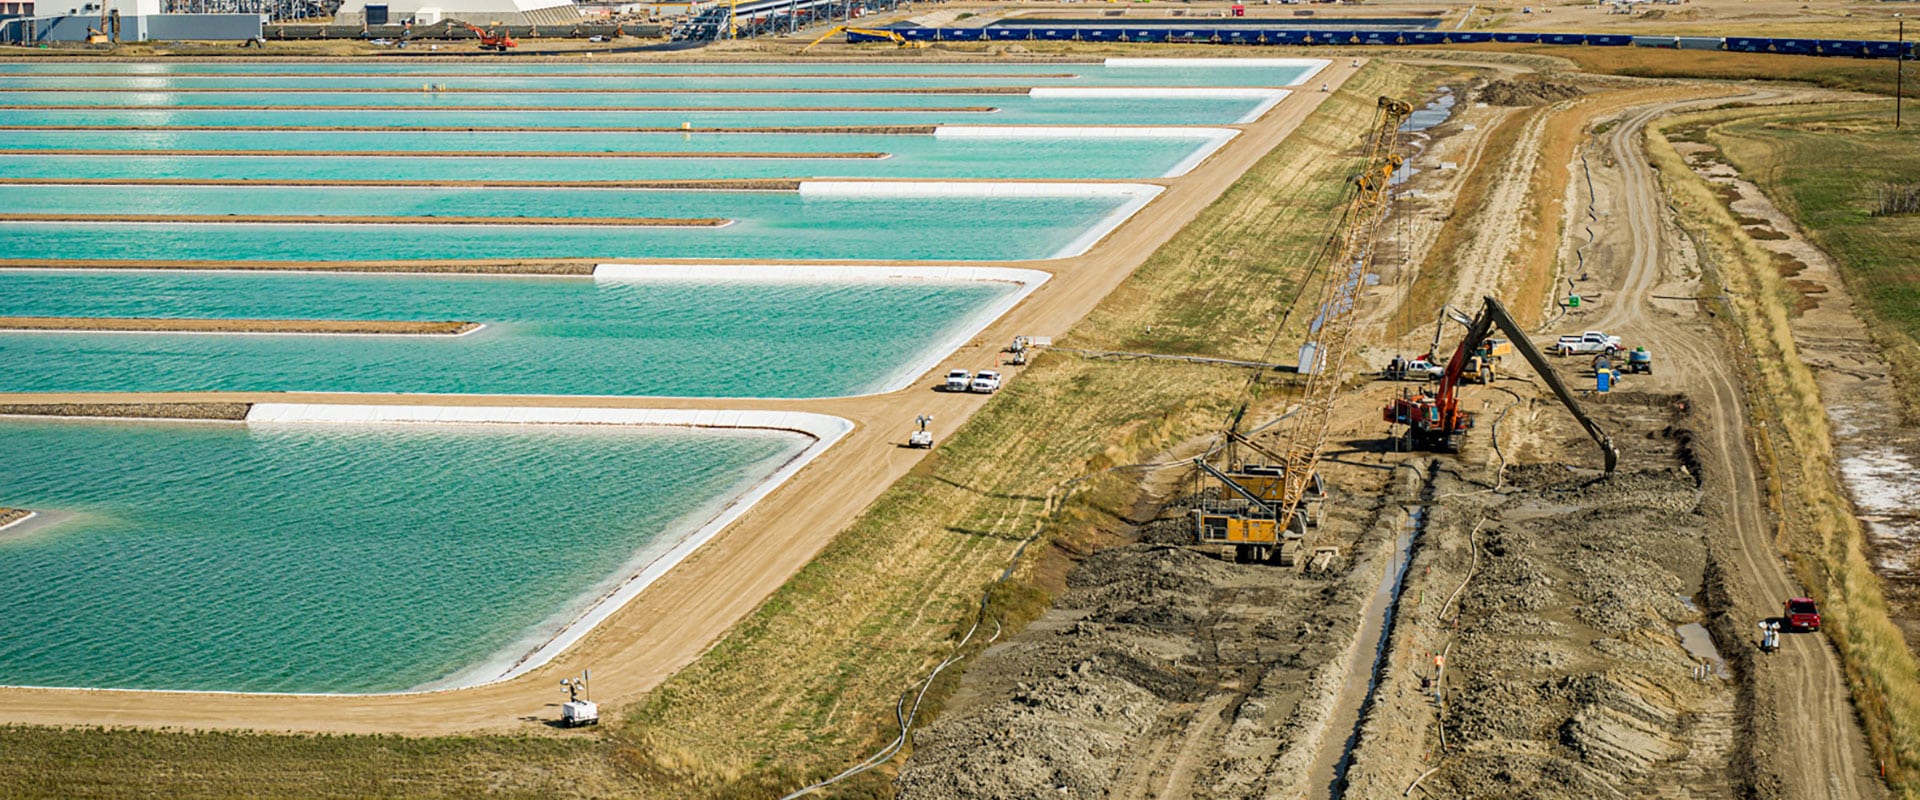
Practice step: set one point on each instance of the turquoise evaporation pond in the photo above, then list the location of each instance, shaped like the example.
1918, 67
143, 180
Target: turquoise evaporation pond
544, 336
208, 557
907, 157
1013, 110
866, 101
769, 225
135, 75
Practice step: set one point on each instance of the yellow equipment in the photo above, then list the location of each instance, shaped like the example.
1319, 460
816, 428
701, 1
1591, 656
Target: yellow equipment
1273, 518
897, 39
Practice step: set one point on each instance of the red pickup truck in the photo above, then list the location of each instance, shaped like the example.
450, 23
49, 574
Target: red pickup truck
1800, 613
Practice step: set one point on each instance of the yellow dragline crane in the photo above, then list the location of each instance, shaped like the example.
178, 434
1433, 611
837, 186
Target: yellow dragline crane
1263, 515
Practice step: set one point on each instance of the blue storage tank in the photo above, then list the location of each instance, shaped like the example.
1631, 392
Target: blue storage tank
1804, 47
1238, 35
1563, 38
1190, 35
1100, 34
1843, 47
1469, 37
1748, 44
1286, 37
1150, 35
1608, 40
1336, 37
1882, 49
1425, 37
1523, 38
965, 34
917, 34
1006, 33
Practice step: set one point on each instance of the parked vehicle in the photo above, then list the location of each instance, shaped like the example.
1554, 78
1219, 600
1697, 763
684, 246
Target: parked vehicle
1801, 614
959, 380
1589, 342
1640, 361
986, 382
1417, 369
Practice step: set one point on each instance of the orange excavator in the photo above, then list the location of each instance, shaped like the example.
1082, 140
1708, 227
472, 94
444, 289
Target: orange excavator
492, 41
1435, 421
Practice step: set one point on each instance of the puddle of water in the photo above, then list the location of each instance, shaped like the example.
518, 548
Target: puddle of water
1377, 625
1699, 644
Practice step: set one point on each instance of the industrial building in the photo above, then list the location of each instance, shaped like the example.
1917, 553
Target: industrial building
121, 21
477, 12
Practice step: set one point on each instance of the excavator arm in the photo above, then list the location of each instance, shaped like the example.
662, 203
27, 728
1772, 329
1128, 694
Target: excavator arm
1545, 370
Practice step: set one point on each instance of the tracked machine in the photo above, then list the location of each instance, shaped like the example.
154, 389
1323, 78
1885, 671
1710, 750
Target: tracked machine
1268, 495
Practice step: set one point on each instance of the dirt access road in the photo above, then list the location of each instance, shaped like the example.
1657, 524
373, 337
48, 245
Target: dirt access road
686, 611
1802, 716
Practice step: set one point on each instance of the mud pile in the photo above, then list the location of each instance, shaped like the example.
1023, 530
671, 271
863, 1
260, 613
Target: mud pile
1158, 667
1525, 92
1568, 677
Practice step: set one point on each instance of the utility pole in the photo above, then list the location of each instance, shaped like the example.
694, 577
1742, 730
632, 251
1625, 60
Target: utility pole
1899, 69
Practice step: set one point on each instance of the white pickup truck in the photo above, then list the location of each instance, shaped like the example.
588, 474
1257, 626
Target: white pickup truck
986, 381
959, 380
1589, 342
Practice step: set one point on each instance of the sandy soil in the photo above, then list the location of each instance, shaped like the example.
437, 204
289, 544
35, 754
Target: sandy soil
1166, 673
156, 324
1804, 739
136, 408
683, 613
1543, 609
1876, 447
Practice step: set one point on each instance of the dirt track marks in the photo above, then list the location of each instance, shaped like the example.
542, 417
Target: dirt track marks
1817, 749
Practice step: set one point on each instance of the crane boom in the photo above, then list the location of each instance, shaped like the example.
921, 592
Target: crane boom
1330, 336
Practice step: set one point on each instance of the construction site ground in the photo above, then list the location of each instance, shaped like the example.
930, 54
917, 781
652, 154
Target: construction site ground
1539, 644
1558, 603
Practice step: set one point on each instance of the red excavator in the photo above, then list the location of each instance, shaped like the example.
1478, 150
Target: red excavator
1435, 421
492, 41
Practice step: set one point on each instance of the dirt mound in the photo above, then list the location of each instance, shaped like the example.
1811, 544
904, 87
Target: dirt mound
1158, 667
1525, 92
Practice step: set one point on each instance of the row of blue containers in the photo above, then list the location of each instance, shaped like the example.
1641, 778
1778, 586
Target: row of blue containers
1295, 36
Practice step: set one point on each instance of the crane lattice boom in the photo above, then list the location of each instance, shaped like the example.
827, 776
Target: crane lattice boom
1330, 336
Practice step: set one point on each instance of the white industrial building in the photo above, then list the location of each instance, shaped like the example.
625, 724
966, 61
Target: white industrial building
476, 12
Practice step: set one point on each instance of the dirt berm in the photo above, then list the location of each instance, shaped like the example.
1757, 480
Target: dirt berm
1525, 92
1163, 671
1565, 674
